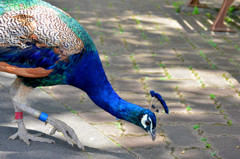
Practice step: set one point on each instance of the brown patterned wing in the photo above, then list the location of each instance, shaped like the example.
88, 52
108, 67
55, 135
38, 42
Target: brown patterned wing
39, 25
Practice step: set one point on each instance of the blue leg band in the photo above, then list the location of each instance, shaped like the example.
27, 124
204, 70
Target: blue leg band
43, 117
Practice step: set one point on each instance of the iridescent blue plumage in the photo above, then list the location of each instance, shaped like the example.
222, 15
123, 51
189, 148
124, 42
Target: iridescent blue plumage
31, 57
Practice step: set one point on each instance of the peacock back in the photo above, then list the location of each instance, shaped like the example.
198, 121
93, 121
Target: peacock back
27, 22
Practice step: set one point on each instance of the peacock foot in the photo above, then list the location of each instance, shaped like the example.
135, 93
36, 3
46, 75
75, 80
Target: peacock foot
68, 132
26, 137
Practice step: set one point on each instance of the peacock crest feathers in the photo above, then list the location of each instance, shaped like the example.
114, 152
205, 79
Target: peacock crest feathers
156, 101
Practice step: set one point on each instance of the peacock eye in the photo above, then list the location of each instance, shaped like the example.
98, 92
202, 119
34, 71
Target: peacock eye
147, 123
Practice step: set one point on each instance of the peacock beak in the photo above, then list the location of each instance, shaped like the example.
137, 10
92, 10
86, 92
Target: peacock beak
153, 134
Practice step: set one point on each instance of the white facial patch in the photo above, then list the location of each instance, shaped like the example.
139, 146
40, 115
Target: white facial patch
143, 120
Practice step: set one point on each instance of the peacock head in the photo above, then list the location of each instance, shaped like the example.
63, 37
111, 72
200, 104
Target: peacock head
148, 119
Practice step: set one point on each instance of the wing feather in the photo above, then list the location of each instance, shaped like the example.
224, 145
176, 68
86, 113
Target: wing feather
33, 60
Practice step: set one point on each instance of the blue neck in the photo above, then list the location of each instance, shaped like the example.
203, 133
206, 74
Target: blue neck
89, 76
112, 103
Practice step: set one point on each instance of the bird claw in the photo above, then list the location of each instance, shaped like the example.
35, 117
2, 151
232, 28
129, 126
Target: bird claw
67, 131
26, 137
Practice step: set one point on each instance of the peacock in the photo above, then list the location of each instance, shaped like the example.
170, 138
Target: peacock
45, 46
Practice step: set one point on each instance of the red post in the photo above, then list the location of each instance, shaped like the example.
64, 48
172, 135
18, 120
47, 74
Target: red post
218, 24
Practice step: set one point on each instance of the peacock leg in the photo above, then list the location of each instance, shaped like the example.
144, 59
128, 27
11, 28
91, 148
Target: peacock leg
19, 93
23, 134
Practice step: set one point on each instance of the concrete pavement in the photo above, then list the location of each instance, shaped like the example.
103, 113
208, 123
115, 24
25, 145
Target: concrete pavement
144, 45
